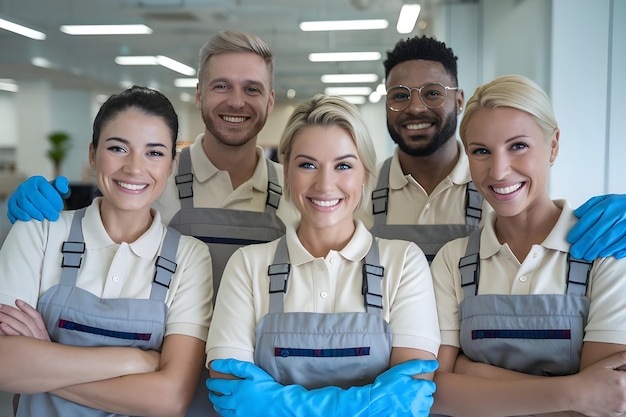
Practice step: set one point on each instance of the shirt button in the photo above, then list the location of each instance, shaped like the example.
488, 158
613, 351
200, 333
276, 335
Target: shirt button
535, 254
332, 261
427, 206
523, 278
323, 294
115, 278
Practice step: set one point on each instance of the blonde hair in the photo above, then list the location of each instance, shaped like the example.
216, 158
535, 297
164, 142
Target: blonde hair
236, 41
326, 111
515, 91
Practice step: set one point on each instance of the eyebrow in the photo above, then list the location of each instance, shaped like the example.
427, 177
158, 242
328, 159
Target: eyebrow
127, 142
514, 138
339, 158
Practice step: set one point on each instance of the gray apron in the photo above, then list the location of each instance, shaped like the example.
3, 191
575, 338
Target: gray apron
77, 317
321, 349
538, 334
224, 231
429, 237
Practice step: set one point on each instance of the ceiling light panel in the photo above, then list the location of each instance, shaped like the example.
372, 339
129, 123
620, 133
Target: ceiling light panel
344, 56
327, 25
106, 29
347, 91
408, 16
349, 78
11, 26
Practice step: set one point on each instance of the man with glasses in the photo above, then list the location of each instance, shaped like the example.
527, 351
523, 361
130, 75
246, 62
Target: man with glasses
424, 192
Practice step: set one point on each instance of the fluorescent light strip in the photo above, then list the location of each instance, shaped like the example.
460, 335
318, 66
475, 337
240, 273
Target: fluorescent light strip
156, 60
347, 91
7, 84
370, 24
186, 82
22, 30
106, 29
344, 56
349, 78
408, 17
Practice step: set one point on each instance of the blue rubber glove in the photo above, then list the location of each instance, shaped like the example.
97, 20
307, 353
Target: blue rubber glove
601, 230
393, 393
36, 198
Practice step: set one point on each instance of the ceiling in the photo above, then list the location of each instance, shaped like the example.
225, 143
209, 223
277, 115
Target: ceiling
180, 27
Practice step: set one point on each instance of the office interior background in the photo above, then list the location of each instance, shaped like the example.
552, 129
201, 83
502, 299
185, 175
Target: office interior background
574, 49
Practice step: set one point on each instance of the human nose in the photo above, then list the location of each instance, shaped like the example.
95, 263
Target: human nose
500, 166
415, 101
236, 99
134, 163
324, 180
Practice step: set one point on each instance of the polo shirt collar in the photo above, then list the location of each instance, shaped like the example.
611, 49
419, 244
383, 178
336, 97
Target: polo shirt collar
459, 175
556, 239
203, 168
355, 250
96, 237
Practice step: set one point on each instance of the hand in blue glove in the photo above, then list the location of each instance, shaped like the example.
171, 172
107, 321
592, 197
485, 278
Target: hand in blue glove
601, 230
394, 392
36, 198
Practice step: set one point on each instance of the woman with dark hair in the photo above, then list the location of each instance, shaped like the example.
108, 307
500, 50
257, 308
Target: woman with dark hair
123, 303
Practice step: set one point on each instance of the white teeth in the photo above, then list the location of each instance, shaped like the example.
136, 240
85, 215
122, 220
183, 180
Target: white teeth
325, 203
132, 187
507, 190
234, 119
417, 126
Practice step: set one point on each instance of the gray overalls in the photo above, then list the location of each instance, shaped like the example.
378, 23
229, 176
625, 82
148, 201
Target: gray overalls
224, 231
321, 349
539, 334
429, 237
77, 317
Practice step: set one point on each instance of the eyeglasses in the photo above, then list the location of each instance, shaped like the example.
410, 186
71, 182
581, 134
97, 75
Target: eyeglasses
433, 95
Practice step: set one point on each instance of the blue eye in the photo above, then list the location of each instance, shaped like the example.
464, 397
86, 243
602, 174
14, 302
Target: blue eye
115, 148
519, 145
344, 166
480, 151
307, 165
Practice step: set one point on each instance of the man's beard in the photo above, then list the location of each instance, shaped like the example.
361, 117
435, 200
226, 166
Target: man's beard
439, 139
223, 138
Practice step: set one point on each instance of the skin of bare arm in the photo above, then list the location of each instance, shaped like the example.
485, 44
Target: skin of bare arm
166, 392
598, 390
31, 365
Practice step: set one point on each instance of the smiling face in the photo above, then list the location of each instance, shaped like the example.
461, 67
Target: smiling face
234, 95
419, 130
132, 161
510, 159
325, 177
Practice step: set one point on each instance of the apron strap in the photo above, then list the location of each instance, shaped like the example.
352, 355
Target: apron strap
165, 265
73, 250
279, 275
473, 205
577, 275
274, 190
380, 196
469, 265
184, 179
373, 274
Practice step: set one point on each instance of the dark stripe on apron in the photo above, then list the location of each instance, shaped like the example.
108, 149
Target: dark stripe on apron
70, 325
522, 334
322, 353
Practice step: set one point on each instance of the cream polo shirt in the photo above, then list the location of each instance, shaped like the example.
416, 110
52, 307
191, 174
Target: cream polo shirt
410, 204
31, 257
324, 285
212, 188
544, 271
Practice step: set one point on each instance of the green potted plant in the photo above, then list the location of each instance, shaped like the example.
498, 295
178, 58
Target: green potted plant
60, 144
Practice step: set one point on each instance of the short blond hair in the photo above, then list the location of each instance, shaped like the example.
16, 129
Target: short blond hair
236, 41
515, 91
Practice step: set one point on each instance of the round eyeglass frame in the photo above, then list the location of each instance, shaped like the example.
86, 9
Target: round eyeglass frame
419, 94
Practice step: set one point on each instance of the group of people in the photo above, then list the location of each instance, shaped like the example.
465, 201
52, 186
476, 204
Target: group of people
327, 301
